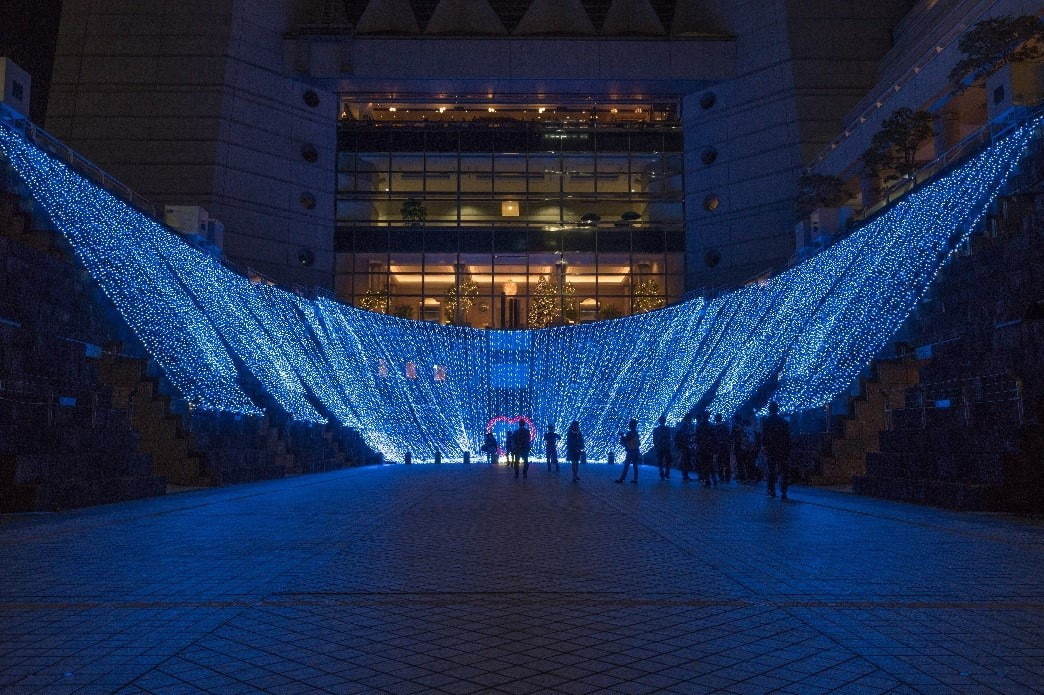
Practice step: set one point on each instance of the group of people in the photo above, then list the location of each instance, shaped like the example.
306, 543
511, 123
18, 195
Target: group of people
519, 445
714, 451
717, 452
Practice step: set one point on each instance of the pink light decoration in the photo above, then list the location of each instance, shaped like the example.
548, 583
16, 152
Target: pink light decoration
509, 423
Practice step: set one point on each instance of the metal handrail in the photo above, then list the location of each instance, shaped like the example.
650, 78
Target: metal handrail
970, 391
55, 147
986, 135
522, 225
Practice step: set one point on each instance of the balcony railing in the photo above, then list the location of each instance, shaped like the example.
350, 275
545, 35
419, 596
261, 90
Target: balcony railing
996, 399
986, 135
76, 161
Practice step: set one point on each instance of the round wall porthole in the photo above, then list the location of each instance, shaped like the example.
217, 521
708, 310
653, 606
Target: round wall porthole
309, 153
307, 201
709, 155
311, 99
708, 99
711, 202
305, 258
712, 258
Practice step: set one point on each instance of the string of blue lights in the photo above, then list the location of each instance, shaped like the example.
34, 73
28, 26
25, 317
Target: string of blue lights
231, 345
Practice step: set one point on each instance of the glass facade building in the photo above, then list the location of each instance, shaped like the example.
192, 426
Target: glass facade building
509, 213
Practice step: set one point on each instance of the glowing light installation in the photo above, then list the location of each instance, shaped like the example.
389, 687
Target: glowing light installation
231, 345
509, 424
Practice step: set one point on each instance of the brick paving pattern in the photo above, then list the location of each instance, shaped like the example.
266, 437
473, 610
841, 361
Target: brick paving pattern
460, 579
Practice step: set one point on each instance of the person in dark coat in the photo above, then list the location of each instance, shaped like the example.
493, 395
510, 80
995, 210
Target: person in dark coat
632, 451
743, 448
574, 448
551, 447
706, 446
522, 444
489, 448
723, 452
662, 444
683, 441
775, 441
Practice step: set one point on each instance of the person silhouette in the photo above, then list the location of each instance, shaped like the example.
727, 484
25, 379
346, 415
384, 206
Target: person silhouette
705, 446
775, 441
551, 447
489, 448
662, 445
574, 448
723, 449
632, 451
743, 447
522, 445
683, 441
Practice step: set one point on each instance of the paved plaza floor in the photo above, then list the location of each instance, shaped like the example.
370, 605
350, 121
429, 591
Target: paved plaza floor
459, 579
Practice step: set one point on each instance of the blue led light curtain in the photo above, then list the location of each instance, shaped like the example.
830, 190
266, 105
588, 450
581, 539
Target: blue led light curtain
231, 345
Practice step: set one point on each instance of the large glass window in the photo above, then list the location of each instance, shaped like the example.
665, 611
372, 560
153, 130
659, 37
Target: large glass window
508, 215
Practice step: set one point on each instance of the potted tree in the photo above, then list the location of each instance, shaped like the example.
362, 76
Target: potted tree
892, 155
414, 214
820, 207
1006, 54
630, 217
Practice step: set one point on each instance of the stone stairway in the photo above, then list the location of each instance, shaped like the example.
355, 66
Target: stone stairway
861, 428
161, 435
18, 225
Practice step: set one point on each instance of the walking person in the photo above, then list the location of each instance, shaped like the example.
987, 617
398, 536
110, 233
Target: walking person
574, 448
489, 448
551, 447
775, 441
509, 448
662, 444
723, 452
683, 441
742, 447
522, 444
632, 449
705, 447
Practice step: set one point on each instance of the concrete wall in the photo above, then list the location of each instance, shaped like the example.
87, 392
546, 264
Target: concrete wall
201, 103
800, 65
919, 64
190, 103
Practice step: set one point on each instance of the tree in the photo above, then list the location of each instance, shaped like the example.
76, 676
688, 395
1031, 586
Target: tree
993, 43
893, 149
374, 299
414, 213
460, 297
819, 191
646, 296
548, 302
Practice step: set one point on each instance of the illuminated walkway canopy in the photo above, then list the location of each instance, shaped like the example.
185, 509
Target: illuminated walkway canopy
231, 345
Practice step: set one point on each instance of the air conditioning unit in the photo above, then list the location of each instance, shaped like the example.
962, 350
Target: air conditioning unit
823, 224
214, 232
187, 219
200, 229
17, 86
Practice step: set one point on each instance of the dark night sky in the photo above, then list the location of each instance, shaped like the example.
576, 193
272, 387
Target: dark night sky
28, 29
